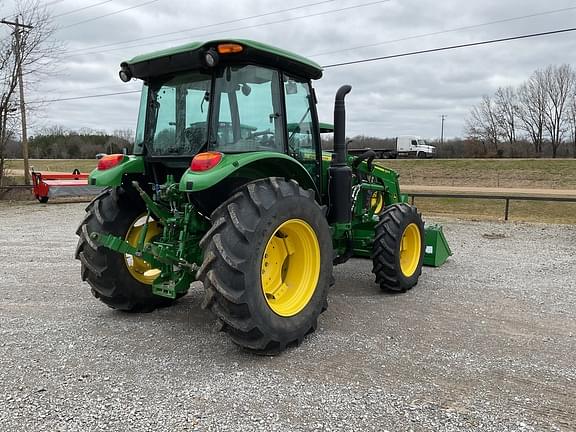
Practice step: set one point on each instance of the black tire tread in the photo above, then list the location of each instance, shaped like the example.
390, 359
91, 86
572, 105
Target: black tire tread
99, 266
388, 232
222, 270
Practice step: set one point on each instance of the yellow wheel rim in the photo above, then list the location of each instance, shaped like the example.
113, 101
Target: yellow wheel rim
290, 267
376, 202
138, 268
410, 249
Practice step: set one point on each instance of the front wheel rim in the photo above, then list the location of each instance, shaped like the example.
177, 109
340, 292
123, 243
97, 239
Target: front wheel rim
410, 249
290, 267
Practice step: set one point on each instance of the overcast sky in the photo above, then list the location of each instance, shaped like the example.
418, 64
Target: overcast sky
389, 97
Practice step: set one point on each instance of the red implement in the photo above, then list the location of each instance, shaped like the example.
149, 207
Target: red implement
57, 184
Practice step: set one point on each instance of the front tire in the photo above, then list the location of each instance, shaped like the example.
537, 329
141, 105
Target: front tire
398, 250
267, 265
116, 280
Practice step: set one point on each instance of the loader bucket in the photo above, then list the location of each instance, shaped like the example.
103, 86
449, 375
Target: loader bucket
437, 250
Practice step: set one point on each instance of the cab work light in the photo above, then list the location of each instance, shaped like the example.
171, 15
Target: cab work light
230, 48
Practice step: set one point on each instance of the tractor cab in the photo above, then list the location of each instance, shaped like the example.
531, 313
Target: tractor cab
229, 97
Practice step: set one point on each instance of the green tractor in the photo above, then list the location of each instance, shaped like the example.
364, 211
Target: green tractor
228, 185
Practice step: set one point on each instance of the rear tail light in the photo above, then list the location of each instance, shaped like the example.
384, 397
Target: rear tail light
109, 161
205, 161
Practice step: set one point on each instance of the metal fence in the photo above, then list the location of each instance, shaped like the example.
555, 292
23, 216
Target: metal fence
506, 198
413, 195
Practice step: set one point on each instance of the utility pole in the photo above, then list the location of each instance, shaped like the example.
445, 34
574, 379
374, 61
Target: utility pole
443, 117
18, 54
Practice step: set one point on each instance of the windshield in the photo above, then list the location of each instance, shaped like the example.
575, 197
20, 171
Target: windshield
178, 115
421, 142
237, 109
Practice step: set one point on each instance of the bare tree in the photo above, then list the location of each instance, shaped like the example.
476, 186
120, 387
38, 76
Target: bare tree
506, 111
35, 57
532, 104
572, 120
559, 85
482, 124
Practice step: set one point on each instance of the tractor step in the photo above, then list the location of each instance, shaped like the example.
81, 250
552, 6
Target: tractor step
165, 288
437, 250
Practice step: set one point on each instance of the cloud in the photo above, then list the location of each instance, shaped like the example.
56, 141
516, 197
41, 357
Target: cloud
389, 98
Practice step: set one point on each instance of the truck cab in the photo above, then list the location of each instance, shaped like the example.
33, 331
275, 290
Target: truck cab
414, 146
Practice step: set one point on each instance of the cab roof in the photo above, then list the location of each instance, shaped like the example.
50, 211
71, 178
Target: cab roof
191, 56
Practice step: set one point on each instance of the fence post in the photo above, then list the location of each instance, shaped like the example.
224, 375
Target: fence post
507, 209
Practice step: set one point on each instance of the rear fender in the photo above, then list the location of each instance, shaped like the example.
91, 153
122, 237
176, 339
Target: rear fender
112, 177
248, 167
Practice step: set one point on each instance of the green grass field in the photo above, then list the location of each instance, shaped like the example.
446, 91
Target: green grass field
65, 165
517, 173
519, 211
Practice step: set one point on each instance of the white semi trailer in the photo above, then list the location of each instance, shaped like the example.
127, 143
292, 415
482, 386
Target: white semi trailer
407, 146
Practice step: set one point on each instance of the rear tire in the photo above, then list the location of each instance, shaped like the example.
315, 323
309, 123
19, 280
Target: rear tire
236, 254
398, 250
113, 212
43, 199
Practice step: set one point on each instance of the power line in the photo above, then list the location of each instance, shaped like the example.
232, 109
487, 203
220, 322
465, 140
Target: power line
205, 26
411, 53
81, 9
49, 91
84, 97
108, 14
33, 8
450, 47
238, 28
435, 33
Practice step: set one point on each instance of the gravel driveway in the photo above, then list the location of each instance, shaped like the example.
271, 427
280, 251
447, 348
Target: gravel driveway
486, 342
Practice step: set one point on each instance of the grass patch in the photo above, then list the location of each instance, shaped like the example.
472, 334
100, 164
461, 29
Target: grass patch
525, 211
520, 173
512, 173
64, 165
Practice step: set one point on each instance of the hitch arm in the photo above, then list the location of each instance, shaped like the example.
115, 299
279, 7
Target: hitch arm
119, 245
161, 213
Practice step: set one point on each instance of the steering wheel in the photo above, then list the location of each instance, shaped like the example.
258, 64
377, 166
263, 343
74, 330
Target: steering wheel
267, 141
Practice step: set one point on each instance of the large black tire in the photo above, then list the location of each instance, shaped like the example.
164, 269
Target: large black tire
43, 199
233, 258
387, 248
113, 212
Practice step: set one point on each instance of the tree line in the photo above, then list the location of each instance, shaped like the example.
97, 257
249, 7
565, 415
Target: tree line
58, 143
540, 111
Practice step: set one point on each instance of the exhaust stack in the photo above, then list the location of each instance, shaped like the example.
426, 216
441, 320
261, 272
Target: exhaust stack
339, 173
340, 150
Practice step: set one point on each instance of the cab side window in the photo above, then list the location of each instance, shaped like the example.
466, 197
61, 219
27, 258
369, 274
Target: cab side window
299, 124
247, 115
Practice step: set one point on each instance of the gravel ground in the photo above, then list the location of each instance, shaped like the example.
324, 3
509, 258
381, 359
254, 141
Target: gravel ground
487, 342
